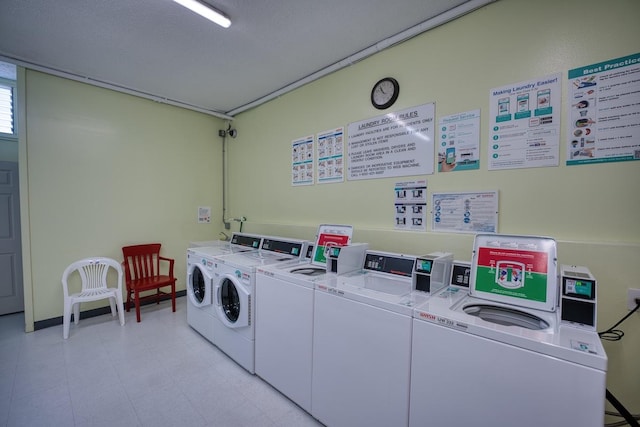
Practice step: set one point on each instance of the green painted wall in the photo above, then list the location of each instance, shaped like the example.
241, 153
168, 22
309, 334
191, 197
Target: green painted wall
591, 210
107, 170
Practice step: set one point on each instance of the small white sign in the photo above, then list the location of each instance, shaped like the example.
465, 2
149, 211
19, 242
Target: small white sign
204, 215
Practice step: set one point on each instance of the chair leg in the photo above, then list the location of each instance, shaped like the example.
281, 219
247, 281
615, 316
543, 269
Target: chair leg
128, 300
137, 303
66, 319
76, 313
173, 297
112, 303
120, 305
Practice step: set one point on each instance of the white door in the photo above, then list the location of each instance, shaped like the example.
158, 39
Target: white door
11, 288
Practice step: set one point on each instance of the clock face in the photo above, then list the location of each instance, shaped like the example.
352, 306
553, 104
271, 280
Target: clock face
384, 93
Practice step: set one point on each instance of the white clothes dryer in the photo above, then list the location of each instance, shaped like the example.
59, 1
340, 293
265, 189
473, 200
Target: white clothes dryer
234, 297
200, 261
505, 361
362, 343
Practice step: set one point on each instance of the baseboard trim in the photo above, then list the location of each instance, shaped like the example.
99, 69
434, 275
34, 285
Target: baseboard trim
55, 321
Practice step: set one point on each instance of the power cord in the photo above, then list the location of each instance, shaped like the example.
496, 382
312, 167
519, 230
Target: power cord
613, 334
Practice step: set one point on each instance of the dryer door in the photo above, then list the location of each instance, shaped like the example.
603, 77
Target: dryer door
232, 302
199, 285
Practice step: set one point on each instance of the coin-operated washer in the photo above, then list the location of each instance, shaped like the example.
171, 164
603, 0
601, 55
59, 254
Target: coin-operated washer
503, 355
284, 317
362, 343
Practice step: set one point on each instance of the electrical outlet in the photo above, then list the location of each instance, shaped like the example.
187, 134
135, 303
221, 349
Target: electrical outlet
632, 294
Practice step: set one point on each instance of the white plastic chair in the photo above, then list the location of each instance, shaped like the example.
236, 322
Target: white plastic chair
93, 274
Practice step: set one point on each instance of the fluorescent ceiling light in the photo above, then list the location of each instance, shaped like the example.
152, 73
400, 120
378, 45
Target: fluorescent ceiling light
206, 11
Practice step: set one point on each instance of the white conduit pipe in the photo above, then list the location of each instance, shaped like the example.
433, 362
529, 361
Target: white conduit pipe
405, 35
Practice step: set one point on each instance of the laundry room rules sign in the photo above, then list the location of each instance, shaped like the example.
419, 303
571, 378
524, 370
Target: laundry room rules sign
395, 144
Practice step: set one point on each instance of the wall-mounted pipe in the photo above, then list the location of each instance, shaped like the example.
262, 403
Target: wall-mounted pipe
436, 21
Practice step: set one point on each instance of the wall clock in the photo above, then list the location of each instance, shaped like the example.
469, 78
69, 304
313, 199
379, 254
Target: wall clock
384, 93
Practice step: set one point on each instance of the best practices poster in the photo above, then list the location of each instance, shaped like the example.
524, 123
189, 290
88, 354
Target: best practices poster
525, 124
604, 112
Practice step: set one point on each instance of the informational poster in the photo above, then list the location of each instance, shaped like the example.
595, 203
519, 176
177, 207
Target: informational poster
302, 161
395, 144
525, 124
459, 147
473, 212
411, 205
513, 272
604, 112
330, 156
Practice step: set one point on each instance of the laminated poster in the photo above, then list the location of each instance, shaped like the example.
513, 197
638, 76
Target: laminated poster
459, 147
302, 161
411, 205
604, 112
472, 212
330, 157
395, 144
525, 124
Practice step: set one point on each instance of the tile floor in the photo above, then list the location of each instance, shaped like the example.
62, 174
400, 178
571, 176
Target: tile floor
159, 372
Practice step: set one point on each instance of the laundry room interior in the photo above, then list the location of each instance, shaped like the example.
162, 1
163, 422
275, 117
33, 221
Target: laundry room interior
100, 169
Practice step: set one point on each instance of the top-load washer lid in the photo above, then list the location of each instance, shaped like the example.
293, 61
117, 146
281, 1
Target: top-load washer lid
506, 316
329, 235
515, 270
382, 272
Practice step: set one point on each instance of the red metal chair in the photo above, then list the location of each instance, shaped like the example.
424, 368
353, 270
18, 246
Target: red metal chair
142, 273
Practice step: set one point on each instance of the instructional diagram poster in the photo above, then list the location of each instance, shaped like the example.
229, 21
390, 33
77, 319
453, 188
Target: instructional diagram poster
302, 161
459, 147
395, 144
331, 156
411, 205
473, 212
604, 112
525, 124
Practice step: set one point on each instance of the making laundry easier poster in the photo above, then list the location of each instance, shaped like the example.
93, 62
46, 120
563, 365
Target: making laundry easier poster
604, 112
302, 161
525, 124
395, 144
330, 157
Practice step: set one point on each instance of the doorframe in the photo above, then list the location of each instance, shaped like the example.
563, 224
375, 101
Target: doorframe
23, 176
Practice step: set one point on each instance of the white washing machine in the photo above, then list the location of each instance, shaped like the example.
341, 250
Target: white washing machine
200, 263
362, 343
500, 356
234, 296
284, 320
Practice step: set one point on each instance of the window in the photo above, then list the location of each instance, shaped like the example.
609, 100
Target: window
8, 77
7, 107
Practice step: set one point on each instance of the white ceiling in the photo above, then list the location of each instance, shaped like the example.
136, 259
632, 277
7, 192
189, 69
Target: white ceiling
158, 49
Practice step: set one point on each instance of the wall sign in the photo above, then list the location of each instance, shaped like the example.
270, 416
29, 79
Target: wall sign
604, 112
395, 144
302, 161
525, 124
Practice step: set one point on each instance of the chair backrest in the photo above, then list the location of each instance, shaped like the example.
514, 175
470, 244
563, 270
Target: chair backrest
93, 273
142, 261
